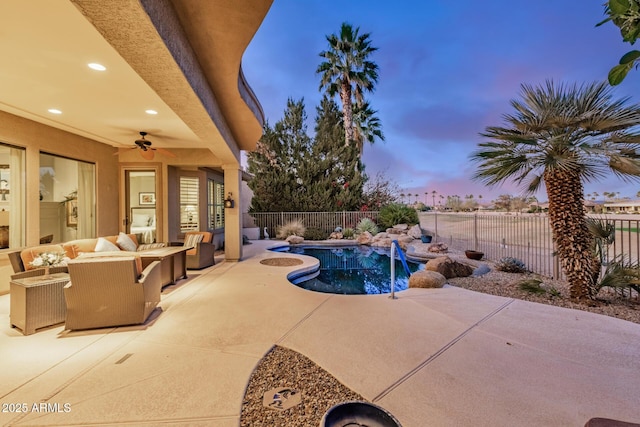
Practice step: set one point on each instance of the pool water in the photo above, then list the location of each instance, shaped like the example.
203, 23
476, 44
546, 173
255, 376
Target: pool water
354, 270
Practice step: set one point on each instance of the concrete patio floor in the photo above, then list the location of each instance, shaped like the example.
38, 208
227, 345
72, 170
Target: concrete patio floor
443, 357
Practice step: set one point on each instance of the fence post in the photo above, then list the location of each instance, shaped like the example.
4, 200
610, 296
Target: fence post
475, 232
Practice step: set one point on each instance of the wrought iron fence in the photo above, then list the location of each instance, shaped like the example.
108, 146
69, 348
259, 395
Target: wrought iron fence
325, 221
527, 237
523, 236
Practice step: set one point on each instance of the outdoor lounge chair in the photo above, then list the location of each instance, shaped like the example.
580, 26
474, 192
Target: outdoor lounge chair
110, 291
201, 254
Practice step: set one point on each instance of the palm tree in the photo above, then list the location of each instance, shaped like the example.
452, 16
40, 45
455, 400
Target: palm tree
366, 126
563, 136
348, 72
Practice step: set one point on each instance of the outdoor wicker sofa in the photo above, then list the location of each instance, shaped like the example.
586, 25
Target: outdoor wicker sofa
172, 259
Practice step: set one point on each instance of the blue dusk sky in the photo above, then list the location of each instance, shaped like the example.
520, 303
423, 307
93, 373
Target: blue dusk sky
448, 69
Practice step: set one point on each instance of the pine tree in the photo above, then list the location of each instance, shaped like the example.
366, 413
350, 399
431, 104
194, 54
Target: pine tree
333, 170
294, 173
276, 161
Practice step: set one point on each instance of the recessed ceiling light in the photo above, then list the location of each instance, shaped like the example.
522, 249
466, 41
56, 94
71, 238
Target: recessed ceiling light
54, 111
152, 112
96, 66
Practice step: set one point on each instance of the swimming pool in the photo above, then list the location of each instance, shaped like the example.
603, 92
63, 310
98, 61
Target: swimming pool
353, 270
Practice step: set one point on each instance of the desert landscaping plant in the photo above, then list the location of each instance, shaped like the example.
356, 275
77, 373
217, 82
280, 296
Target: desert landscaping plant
315, 234
291, 228
511, 265
348, 233
396, 213
537, 286
560, 137
367, 224
620, 273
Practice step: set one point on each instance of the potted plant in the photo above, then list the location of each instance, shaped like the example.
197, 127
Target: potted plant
426, 238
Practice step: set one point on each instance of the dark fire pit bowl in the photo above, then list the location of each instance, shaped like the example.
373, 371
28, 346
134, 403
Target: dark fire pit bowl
358, 414
474, 255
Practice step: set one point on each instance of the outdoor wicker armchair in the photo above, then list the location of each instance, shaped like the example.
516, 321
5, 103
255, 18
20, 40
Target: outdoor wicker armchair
110, 291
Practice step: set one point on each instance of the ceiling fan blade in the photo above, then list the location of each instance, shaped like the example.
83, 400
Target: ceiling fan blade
147, 154
165, 152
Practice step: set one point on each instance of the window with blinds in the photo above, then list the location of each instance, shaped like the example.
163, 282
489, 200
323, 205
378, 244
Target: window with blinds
215, 200
189, 203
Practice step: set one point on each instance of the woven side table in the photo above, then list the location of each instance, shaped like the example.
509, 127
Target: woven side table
37, 302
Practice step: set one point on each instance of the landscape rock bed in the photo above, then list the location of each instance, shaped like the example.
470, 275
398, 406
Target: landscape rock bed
282, 367
499, 283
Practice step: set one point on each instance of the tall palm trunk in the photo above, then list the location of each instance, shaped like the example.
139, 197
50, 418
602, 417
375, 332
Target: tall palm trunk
347, 112
573, 240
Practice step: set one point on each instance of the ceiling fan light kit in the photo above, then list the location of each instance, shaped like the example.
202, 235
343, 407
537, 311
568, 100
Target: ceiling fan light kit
146, 150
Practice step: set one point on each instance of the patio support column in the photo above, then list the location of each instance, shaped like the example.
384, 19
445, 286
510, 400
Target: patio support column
233, 216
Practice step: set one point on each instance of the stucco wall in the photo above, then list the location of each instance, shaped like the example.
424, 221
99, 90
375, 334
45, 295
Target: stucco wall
36, 138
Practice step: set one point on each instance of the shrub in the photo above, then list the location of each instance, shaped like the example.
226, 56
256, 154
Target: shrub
511, 265
366, 224
536, 286
348, 233
291, 228
315, 234
395, 213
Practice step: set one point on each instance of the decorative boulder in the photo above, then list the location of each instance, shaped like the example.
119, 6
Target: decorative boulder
365, 238
295, 240
381, 243
404, 240
415, 232
438, 248
380, 236
449, 268
401, 227
394, 231
336, 235
427, 279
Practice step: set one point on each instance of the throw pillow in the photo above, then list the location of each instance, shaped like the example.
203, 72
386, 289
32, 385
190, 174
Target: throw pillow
145, 246
125, 243
104, 245
192, 240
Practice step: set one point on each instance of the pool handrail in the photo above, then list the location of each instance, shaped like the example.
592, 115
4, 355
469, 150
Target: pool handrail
394, 245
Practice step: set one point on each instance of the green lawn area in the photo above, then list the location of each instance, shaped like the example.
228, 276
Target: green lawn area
630, 229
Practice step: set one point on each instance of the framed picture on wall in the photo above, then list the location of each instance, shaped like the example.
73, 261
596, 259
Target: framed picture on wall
72, 212
4, 182
147, 198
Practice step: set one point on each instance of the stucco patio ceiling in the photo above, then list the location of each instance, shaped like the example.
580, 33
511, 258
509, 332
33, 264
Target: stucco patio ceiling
181, 59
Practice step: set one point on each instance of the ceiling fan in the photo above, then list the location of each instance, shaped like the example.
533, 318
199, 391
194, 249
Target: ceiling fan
146, 150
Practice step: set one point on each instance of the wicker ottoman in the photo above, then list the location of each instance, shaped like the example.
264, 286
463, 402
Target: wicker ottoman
37, 302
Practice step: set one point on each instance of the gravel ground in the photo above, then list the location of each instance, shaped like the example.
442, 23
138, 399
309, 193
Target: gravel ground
282, 367
507, 285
